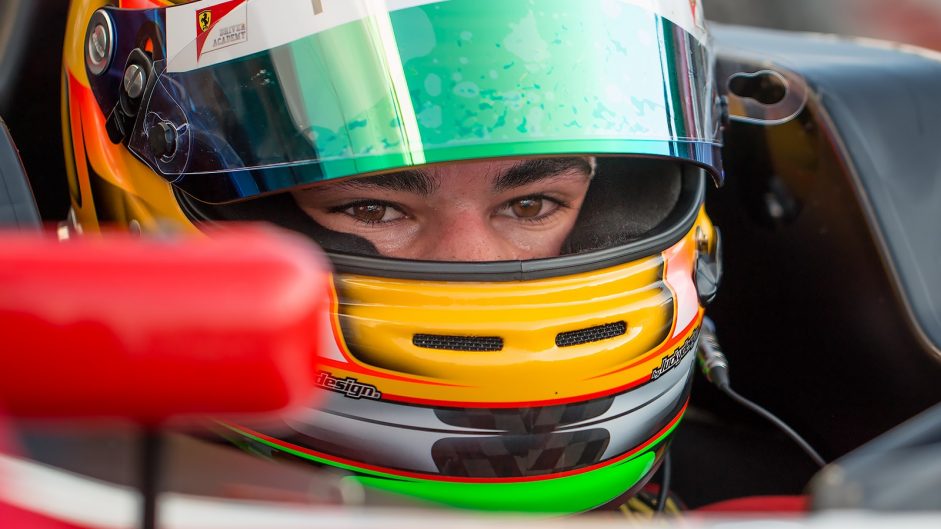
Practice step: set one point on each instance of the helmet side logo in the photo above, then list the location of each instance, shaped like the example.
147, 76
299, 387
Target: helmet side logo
674, 359
349, 387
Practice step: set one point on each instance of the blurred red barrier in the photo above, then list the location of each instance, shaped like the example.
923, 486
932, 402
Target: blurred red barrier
156, 329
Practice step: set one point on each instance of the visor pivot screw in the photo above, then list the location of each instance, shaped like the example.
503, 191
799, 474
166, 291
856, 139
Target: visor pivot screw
99, 43
135, 80
162, 138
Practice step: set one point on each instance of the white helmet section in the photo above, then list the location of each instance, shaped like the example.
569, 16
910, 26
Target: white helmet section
209, 32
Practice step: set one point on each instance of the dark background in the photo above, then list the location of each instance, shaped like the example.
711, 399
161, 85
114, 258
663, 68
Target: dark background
31, 36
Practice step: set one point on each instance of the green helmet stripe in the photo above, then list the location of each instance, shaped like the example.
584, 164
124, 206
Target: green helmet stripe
569, 494
566, 494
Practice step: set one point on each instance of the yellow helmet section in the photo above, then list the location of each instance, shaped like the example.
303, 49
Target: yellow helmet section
535, 342
107, 183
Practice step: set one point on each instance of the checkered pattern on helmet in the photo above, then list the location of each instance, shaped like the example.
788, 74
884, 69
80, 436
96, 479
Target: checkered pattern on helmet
525, 420
519, 455
458, 343
591, 334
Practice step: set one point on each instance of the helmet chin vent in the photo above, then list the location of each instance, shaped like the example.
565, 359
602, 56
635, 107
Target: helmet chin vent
458, 343
519, 455
591, 334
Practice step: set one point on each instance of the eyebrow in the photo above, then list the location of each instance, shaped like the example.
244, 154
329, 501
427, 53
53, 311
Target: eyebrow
410, 181
537, 169
521, 174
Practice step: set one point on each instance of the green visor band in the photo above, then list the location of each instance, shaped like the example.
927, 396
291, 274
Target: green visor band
273, 95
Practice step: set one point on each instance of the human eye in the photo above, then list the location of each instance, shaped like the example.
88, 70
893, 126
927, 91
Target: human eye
370, 212
534, 208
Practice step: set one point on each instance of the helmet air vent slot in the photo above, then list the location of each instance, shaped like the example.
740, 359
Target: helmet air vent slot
591, 334
458, 343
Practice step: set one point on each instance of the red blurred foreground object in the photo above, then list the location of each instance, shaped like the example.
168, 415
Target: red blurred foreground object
796, 505
151, 330
11, 516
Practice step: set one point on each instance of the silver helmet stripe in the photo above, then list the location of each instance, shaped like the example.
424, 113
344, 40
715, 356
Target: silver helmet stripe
404, 435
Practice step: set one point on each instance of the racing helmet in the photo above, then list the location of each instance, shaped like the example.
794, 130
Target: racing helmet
550, 384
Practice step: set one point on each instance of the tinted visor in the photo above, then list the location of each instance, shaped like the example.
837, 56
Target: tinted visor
270, 95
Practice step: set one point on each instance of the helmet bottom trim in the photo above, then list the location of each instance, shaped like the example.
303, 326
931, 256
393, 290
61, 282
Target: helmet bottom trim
570, 494
566, 492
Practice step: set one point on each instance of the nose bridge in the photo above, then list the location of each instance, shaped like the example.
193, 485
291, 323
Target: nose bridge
467, 236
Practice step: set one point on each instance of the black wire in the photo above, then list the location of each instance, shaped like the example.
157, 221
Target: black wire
664, 482
805, 446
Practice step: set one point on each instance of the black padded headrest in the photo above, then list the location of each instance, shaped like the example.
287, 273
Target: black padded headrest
17, 206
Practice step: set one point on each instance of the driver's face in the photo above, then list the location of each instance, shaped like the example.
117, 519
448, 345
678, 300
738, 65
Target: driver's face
495, 210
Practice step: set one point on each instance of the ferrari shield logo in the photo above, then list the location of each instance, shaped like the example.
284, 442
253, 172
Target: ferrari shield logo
204, 18
220, 26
